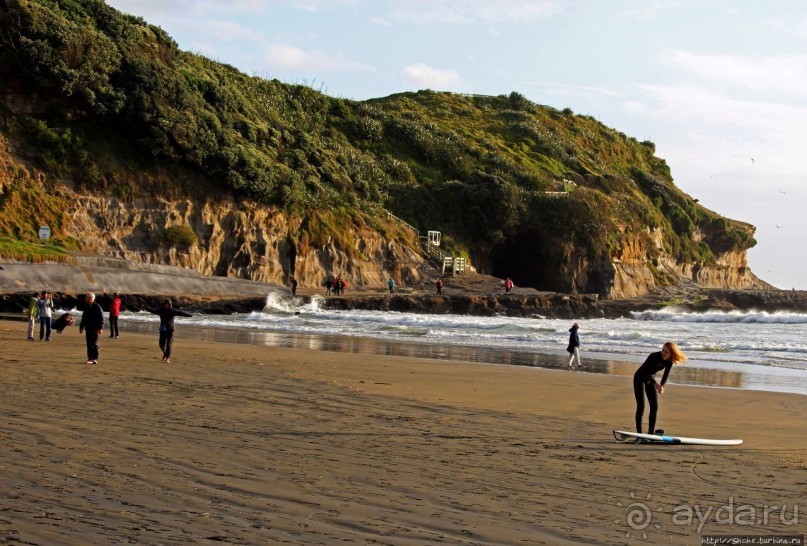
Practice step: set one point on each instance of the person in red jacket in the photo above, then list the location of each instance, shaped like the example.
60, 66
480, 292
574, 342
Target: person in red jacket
114, 313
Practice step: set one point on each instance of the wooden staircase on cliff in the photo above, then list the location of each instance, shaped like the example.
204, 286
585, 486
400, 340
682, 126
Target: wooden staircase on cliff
430, 247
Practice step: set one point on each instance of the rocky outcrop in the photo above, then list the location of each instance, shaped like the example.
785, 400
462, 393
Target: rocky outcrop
635, 274
235, 239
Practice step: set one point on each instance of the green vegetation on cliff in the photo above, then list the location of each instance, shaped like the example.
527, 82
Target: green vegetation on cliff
109, 101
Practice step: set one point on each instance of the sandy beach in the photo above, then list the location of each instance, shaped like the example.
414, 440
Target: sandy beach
245, 444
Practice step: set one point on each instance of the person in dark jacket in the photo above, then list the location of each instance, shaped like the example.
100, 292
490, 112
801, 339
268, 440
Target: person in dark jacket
167, 314
574, 347
644, 382
92, 324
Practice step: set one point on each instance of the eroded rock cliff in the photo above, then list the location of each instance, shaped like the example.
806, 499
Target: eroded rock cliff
235, 239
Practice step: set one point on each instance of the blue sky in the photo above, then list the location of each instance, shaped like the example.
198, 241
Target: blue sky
720, 86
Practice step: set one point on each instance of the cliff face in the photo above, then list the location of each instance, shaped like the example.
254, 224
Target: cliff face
246, 240
236, 239
634, 275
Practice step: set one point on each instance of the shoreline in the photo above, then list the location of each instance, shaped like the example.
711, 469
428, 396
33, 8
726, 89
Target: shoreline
703, 374
252, 444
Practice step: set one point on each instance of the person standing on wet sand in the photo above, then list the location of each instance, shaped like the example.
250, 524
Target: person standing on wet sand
45, 304
167, 314
574, 347
644, 383
293, 286
92, 323
114, 313
33, 310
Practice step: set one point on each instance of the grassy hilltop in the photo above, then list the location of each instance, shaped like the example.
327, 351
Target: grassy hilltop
110, 102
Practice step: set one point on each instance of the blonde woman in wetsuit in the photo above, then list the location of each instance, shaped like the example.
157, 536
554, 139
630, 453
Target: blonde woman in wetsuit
644, 382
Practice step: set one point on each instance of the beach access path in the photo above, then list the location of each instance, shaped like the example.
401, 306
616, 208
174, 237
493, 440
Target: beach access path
261, 445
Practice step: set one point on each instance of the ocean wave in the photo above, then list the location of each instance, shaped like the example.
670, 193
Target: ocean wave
761, 317
625, 336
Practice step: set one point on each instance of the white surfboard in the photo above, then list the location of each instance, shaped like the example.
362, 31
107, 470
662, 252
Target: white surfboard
624, 436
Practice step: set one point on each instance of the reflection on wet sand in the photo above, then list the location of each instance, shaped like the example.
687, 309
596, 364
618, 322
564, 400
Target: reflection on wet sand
689, 375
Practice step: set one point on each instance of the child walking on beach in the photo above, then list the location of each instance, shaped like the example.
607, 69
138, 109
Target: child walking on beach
167, 314
644, 382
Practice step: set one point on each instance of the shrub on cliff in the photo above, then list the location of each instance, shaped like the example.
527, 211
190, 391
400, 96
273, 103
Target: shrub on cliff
180, 235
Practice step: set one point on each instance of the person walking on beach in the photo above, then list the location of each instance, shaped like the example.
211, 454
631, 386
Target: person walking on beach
114, 313
92, 324
574, 347
45, 304
391, 284
439, 286
644, 383
293, 286
167, 315
33, 312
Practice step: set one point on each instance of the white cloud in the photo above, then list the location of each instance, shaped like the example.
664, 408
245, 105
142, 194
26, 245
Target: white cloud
646, 10
461, 12
426, 76
290, 58
688, 103
785, 74
705, 131
223, 31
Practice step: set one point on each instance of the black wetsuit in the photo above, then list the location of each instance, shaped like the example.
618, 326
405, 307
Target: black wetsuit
167, 315
643, 380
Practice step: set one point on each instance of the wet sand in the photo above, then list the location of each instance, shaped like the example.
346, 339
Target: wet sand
248, 444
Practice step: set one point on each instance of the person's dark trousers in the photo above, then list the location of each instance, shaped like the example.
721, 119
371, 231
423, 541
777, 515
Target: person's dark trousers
92, 345
640, 389
166, 340
113, 326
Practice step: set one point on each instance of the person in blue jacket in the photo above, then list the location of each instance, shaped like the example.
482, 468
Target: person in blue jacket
574, 347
